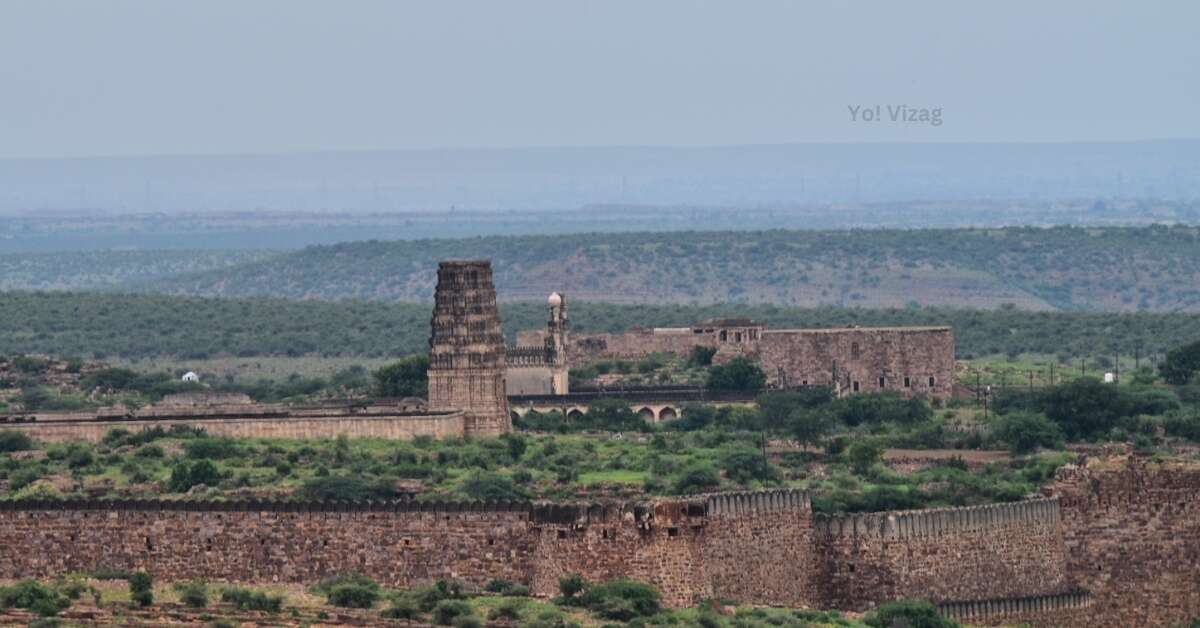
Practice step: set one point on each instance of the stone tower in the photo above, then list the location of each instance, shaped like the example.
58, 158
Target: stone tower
556, 345
466, 349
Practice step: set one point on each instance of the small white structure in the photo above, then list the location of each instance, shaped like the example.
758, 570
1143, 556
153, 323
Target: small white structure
190, 376
1110, 378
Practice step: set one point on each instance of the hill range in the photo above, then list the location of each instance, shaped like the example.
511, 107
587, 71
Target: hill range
1153, 268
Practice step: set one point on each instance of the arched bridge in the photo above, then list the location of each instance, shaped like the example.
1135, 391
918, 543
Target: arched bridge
651, 403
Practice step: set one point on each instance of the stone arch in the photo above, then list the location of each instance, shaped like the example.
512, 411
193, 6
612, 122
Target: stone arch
646, 413
667, 414
574, 414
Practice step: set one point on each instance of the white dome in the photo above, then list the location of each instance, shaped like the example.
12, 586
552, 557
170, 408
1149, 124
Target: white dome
555, 299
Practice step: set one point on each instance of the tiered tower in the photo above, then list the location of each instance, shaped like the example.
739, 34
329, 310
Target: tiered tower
556, 344
466, 349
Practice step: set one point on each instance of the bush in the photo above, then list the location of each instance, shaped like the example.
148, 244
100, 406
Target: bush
863, 454
354, 596
622, 600
34, 597
486, 485
403, 607
702, 356
1183, 425
248, 600
14, 440
404, 378
570, 586
330, 487
509, 610
1024, 432
215, 448
739, 374
141, 588
193, 593
185, 475
1181, 364
697, 477
910, 614
447, 611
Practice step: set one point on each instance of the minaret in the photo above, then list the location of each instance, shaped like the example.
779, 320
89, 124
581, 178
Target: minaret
466, 349
556, 345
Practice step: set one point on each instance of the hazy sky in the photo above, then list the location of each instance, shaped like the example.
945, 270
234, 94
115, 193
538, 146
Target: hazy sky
113, 77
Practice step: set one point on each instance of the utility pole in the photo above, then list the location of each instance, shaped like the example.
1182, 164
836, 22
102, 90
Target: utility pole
1117, 362
1030, 381
1052, 373
1083, 367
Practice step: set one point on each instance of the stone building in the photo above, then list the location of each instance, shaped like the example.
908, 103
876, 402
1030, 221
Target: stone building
467, 358
907, 360
537, 365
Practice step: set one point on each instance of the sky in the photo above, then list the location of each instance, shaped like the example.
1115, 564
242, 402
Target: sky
130, 77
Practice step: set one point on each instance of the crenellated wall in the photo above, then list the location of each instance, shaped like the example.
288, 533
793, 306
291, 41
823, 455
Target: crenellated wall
950, 554
1132, 538
1114, 545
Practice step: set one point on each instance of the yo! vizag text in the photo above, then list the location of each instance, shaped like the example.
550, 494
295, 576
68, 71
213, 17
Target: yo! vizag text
899, 114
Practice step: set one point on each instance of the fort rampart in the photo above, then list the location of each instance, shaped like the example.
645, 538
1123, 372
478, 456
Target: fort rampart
1109, 547
393, 426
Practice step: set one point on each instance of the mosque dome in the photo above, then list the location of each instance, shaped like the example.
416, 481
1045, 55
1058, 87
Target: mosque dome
555, 299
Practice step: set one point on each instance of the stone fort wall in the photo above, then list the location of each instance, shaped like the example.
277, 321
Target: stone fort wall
1112, 547
397, 426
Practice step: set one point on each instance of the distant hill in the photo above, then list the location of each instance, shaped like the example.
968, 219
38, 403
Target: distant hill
1104, 269
107, 325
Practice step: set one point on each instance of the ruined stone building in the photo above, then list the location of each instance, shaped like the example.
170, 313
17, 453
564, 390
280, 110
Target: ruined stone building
467, 358
907, 360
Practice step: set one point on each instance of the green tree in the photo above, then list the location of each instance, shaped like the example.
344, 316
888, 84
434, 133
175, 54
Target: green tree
863, 454
1085, 407
740, 373
1181, 364
810, 425
404, 378
1024, 432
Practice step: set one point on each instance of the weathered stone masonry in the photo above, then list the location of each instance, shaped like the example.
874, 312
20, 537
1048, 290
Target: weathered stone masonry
1111, 547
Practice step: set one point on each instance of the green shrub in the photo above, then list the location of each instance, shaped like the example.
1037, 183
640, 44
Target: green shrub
447, 611
622, 600
699, 476
353, 596
863, 454
910, 614
509, 610
34, 597
14, 440
486, 485
1024, 432
141, 588
185, 475
548, 618
739, 374
249, 600
403, 607
193, 593
330, 487
571, 586
213, 447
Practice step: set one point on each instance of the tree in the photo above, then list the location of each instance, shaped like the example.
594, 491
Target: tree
739, 374
1085, 407
141, 588
864, 454
1181, 364
404, 378
809, 426
702, 356
777, 407
1024, 432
